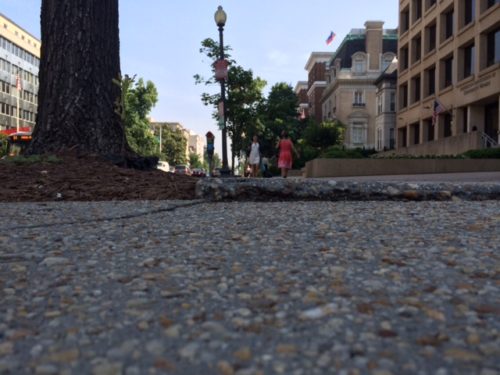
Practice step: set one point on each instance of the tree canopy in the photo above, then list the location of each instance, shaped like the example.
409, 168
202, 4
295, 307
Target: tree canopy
140, 98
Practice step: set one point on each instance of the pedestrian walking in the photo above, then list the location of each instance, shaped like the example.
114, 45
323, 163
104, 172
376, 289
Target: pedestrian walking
254, 158
285, 159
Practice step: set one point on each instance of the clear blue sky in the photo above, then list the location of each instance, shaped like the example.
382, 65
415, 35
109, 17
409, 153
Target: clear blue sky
160, 41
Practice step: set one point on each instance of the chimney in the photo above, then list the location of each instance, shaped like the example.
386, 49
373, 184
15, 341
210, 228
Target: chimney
374, 35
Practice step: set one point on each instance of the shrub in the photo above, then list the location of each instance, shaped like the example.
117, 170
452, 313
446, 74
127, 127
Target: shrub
336, 152
486, 153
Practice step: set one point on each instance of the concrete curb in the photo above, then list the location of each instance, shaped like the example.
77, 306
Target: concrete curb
279, 189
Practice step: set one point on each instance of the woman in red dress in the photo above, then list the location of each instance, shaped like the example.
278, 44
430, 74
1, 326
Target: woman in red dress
285, 159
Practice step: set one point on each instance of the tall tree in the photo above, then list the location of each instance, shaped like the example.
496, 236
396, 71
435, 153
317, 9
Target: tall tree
174, 146
140, 98
244, 97
280, 113
80, 104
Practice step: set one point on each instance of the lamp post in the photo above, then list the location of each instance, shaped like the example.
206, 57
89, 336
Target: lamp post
220, 20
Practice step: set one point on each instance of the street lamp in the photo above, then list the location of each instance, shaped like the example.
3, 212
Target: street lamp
220, 20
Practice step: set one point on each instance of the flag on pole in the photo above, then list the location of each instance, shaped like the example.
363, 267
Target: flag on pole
330, 38
19, 85
438, 108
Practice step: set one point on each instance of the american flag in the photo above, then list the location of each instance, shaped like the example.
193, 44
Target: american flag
19, 85
438, 108
330, 38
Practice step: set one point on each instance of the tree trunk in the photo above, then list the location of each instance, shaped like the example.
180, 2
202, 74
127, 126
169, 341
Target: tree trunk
80, 94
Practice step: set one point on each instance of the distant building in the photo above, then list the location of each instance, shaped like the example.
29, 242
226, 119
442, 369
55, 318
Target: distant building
194, 143
19, 64
197, 145
303, 104
449, 59
385, 122
350, 94
316, 67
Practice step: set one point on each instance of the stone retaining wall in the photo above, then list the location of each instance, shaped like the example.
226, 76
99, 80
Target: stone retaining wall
380, 167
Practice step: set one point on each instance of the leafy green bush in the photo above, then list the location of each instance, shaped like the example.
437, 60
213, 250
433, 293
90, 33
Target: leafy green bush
336, 152
486, 153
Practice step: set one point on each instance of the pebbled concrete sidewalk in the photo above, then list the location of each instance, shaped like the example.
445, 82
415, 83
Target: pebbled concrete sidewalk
239, 288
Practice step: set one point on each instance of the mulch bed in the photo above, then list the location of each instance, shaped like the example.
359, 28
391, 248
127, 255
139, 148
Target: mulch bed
88, 178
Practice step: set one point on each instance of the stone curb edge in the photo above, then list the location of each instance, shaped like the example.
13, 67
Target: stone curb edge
279, 189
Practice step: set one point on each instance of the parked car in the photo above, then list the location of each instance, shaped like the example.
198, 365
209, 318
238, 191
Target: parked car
163, 165
182, 169
199, 172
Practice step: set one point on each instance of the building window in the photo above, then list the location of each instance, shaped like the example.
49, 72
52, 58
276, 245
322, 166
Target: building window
429, 4
387, 60
359, 64
490, 3
416, 10
404, 58
430, 81
447, 24
416, 49
469, 11
447, 72
405, 20
415, 133
430, 38
379, 105
493, 47
415, 83
403, 96
447, 125
468, 60
358, 98
392, 102
358, 133
429, 129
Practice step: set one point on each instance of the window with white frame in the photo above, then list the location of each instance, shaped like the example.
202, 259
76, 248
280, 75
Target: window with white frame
359, 63
358, 97
379, 104
358, 133
387, 60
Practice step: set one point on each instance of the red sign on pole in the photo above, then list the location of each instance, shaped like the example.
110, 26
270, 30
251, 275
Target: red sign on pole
221, 70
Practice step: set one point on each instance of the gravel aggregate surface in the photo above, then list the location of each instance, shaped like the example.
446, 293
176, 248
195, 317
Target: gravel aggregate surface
237, 288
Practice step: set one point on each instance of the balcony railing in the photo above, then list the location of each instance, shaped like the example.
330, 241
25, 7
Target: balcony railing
359, 105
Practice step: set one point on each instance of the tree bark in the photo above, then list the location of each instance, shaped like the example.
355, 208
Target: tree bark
80, 103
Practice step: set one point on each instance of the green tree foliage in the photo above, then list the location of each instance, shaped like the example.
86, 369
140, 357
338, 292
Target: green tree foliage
279, 113
317, 138
244, 98
174, 146
139, 100
195, 161
323, 135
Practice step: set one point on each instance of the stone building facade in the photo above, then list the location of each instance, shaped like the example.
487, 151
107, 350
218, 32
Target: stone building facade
350, 93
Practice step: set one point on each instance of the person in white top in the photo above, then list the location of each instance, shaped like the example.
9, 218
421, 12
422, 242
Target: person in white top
254, 158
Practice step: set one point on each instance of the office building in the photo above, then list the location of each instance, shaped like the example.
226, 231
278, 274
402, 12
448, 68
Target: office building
350, 94
448, 76
19, 64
